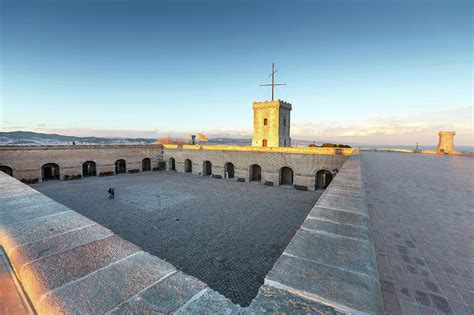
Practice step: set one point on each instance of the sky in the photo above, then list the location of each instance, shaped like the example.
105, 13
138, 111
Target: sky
365, 72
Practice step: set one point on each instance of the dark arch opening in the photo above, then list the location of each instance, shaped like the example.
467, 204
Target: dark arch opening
255, 173
206, 168
89, 169
50, 171
229, 170
146, 164
188, 166
286, 176
6, 169
172, 164
323, 179
120, 166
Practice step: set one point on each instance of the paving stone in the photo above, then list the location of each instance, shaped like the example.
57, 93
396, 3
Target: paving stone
164, 297
346, 288
340, 252
101, 291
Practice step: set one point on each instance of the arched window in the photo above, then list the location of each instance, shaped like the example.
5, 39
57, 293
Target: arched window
50, 171
89, 169
146, 164
323, 179
172, 164
255, 173
6, 169
188, 166
120, 166
286, 176
229, 170
206, 168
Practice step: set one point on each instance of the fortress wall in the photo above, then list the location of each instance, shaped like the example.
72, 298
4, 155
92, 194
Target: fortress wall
305, 162
26, 162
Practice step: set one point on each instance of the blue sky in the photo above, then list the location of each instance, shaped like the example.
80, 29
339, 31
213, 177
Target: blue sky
374, 72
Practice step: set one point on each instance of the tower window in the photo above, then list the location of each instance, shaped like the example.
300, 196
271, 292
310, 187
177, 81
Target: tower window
265, 121
284, 122
264, 144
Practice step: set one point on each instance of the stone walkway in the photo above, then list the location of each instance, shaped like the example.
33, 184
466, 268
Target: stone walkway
421, 209
225, 233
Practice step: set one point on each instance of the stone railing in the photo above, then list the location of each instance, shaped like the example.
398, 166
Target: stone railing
70, 264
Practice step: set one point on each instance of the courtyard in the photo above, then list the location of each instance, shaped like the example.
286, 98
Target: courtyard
228, 234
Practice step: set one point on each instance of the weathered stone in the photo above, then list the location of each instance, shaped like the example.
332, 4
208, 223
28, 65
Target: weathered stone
32, 198
164, 297
268, 183
101, 291
32, 212
354, 290
353, 231
300, 187
343, 203
211, 302
341, 216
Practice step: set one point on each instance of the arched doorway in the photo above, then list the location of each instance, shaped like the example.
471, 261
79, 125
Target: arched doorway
286, 176
323, 179
88, 169
50, 171
146, 164
120, 166
255, 173
206, 168
172, 164
7, 170
229, 170
188, 166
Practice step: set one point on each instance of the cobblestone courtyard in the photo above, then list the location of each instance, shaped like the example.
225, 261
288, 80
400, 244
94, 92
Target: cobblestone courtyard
421, 209
227, 234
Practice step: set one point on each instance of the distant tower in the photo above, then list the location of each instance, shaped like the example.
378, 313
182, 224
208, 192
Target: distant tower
271, 124
446, 141
271, 120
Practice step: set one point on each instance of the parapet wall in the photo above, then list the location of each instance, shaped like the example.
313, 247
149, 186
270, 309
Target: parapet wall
70, 264
304, 162
26, 162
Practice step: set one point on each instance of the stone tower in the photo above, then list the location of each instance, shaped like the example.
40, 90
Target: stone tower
271, 124
446, 142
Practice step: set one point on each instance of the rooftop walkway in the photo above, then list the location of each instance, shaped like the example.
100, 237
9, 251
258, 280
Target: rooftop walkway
421, 211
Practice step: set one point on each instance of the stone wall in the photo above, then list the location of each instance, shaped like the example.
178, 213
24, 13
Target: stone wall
305, 162
26, 162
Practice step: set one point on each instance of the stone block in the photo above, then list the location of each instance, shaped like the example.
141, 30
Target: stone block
268, 183
211, 302
32, 198
165, 297
51, 272
353, 290
240, 179
32, 212
101, 291
339, 252
271, 300
341, 216
216, 176
343, 203
353, 231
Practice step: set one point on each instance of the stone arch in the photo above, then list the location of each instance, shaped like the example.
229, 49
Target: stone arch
206, 168
146, 164
255, 173
120, 166
6, 169
172, 164
286, 176
50, 171
323, 179
229, 170
89, 169
188, 166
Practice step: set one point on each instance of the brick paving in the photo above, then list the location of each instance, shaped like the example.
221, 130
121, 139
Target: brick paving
226, 233
421, 209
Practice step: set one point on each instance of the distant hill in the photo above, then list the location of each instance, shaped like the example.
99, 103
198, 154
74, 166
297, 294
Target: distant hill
29, 138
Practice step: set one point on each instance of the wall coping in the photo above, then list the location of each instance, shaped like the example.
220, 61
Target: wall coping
106, 274
77, 146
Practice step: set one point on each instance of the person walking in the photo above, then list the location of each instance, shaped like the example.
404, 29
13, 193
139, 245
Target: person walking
113, 193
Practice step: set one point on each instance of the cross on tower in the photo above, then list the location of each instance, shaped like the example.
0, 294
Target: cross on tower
273, 81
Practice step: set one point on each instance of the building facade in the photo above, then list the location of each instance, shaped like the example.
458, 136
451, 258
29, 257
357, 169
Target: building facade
271, 124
